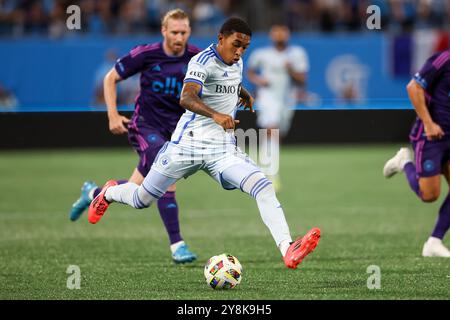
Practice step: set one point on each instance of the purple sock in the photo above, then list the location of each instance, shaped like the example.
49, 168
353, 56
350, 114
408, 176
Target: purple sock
168, 209
98, 190
410, 172
443, 220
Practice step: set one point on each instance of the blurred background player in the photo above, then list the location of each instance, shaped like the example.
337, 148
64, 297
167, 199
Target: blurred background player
430, 138
162, 66
204, 140
279, 73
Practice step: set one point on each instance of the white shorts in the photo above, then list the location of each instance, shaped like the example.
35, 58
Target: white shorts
179, 161
271, 114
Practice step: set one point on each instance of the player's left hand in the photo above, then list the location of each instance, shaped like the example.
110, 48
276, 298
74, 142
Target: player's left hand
433, 131
247, 102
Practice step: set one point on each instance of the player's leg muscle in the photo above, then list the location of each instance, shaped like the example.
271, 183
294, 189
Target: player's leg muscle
136, 177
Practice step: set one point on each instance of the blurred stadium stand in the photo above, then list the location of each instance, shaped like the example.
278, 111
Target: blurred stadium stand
50, 68
47, 17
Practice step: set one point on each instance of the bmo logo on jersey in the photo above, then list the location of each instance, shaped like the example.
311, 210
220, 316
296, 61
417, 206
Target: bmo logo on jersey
226, 89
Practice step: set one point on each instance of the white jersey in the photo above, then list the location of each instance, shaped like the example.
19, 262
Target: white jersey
220, 91
272, 65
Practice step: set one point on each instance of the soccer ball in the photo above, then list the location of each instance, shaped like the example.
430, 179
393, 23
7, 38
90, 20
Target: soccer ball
223, 271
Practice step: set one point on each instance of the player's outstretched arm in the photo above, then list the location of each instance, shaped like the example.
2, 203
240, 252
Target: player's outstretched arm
117, 122
417, 96
191, 101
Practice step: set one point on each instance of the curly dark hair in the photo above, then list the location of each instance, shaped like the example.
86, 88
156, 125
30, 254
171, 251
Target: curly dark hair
235, 24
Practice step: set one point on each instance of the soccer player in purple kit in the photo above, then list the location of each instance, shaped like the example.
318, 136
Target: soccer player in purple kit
429, 92
162, 67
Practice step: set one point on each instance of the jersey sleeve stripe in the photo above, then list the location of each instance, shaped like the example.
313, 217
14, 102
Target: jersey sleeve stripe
193, 80
193, 49
205, 57
139, 50
204, 53
441, 60
201, 55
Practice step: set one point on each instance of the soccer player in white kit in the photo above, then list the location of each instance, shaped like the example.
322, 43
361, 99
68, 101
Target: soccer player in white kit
279, 73
204, 140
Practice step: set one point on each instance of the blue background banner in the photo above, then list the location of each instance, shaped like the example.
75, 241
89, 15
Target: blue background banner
347, 71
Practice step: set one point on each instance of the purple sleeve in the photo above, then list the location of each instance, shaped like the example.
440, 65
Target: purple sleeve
432, 69
131, 63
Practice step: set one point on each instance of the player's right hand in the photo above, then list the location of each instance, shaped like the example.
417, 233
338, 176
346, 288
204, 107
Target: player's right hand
117, 124
225, 121
433, 131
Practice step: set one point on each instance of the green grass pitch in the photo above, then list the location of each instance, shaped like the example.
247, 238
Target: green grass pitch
365, 220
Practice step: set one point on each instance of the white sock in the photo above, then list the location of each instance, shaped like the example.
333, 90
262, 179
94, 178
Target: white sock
284, 246
257, 186
434, 240
273, 216
122, 193
131, 194
176, 245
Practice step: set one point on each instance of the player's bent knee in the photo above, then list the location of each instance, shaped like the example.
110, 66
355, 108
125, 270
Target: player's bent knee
429, 196
430, 189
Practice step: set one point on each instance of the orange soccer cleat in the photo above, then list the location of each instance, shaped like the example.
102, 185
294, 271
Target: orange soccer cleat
99, 205
301, 247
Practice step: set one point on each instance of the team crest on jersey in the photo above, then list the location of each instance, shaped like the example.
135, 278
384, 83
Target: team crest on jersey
164, 161
428, 165
152, 137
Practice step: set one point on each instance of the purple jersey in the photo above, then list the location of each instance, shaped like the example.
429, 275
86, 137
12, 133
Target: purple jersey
434, 78
157, 104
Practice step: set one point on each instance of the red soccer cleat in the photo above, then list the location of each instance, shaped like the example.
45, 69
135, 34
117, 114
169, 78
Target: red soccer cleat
301, 247
100, 204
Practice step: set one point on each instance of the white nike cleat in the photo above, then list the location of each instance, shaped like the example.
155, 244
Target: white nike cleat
435, 248
397, 163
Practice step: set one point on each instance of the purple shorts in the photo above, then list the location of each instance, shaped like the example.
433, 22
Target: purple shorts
146, 141
430, 156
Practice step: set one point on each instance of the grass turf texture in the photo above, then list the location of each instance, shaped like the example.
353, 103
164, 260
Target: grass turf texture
365, 220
